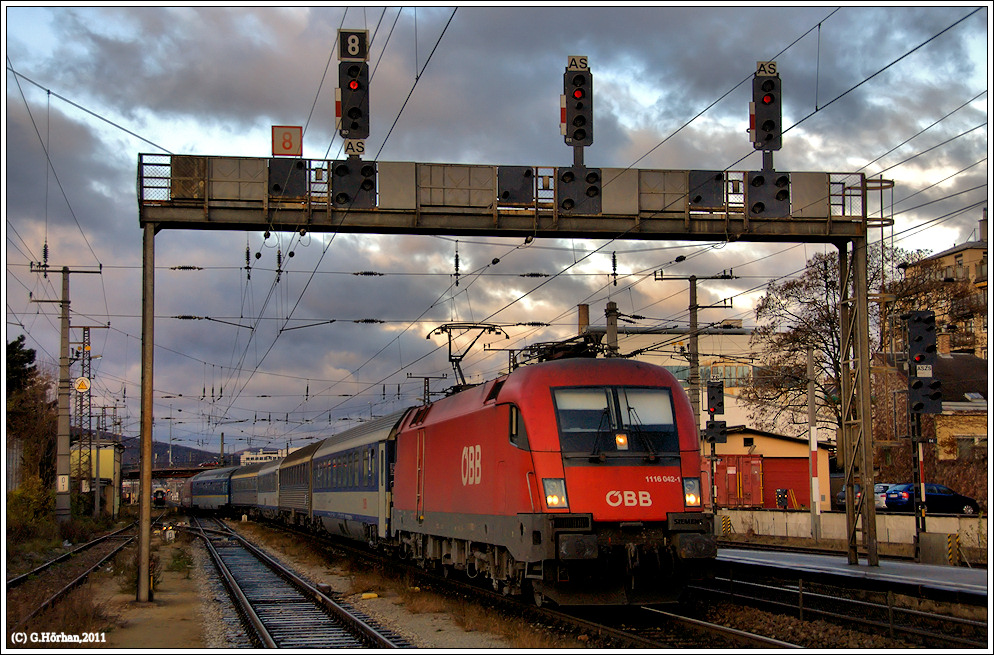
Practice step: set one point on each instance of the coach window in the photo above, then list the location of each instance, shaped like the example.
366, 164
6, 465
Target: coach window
518, 434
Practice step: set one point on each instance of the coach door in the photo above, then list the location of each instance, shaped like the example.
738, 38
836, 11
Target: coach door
421, 476
383, 490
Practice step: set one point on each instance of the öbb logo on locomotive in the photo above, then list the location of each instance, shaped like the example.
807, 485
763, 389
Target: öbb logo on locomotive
628, 498
472, 465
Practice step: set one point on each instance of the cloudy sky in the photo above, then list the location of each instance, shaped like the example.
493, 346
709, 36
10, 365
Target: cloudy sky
299, 346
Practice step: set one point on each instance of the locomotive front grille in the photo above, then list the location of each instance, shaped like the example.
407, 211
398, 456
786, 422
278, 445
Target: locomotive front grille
571, 523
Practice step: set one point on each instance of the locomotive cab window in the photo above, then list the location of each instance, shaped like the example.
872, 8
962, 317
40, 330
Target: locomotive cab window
616, 421
516, 428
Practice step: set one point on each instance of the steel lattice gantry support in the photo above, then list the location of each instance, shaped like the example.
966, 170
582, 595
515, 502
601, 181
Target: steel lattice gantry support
856, 442
296, 195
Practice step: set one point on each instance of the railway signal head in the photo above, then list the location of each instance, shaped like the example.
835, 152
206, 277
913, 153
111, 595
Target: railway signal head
716, 397
716, 432
921, 339
924, 390
353, 109
353, 184
924, 395
767, 194
578, 107
766, 119
578, 190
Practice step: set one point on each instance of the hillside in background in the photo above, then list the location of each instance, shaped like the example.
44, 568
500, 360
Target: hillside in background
182, 455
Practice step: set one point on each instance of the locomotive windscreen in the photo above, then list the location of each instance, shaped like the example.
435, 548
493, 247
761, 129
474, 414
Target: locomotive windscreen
622, 420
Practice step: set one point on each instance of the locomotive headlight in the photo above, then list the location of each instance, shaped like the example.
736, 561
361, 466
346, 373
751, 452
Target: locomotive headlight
692, 492
555, 493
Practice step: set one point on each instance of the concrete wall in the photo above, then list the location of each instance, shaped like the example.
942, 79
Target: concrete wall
891, 528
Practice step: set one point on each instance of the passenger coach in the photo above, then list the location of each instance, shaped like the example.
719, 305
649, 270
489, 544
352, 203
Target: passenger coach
295, 485
211, 490
269, 489
245, 488
351, 482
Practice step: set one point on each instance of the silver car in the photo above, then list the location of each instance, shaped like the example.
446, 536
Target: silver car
880, 494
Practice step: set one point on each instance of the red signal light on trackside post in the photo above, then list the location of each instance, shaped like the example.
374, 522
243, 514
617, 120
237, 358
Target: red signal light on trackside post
716, 396
352, 110
765, 119
577, 108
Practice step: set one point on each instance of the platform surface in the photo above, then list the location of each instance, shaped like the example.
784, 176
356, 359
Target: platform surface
948, 578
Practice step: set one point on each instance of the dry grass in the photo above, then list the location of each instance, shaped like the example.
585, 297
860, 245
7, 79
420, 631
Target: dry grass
303, 550
518, 634
472, 617
361, 582
76, 614
418, 601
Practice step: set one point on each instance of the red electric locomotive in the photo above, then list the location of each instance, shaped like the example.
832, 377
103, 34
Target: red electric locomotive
576, 480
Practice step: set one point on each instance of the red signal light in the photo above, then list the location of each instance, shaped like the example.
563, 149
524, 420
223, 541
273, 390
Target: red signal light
353, 84
578, 94
768, 99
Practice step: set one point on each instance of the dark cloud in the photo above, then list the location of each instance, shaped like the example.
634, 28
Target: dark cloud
284, 360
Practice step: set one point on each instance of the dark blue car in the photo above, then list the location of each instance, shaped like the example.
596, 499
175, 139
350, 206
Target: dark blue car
939, 499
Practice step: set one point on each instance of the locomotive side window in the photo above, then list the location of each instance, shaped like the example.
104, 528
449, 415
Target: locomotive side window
518, 434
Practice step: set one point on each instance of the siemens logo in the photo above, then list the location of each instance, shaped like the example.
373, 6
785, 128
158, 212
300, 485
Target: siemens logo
688, 521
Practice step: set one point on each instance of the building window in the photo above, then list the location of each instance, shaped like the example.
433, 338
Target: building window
969, 446
733, 375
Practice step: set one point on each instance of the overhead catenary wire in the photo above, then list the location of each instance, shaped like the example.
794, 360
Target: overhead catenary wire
481, 274
330, 241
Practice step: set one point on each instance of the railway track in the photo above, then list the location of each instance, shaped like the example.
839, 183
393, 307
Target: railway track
282, 610
869, 611
858, 610
643, 627
656, 628
31, 593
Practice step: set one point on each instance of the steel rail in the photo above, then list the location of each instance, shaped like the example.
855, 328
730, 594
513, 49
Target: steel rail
73, 584
862, 609
360, 626
363, 630
742, 637
16, 581
261, 634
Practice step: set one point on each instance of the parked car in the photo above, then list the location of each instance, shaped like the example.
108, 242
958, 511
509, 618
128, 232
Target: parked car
840, 498
880, 494
939, 499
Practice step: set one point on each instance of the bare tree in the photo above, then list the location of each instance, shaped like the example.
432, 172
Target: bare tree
801, 314
796, 316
